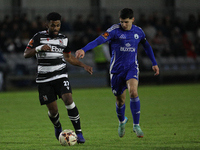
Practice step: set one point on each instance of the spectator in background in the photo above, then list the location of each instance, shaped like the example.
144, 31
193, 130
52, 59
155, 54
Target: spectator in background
142, 20
189, 46
79, 25
159, 26
3, 68
180, 24
66, 26
160, 43
76, 42
89, 34
34, 28
176, 44
102, 56
25, 27
108, 22
90, 23
15, 30
151, 19
6, 24
150, 32
9, 45
102, 59
3, 41
11, 39
24, 21
191, 24
15, 20
40, 23
197, 46
168, 26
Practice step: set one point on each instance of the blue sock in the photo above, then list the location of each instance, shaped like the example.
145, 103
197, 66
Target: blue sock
135, 109
120, 112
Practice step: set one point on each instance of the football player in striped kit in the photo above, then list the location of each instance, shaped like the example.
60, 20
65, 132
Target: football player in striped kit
51, 49
124, 39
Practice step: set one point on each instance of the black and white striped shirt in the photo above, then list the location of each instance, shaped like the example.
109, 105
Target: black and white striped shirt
51, 64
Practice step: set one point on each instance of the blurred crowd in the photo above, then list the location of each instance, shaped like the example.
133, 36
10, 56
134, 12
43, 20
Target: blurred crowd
172, 37
16, 31
168, 36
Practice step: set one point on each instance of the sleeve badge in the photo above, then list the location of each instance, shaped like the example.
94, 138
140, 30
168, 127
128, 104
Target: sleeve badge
105, 35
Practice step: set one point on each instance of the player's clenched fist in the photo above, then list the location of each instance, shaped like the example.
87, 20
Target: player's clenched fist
46, 48
42, 48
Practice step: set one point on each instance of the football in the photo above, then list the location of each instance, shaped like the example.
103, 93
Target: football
67, 137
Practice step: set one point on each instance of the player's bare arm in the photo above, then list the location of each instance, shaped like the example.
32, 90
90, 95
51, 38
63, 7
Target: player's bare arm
31, 52
80, 53
74, 61
156, 70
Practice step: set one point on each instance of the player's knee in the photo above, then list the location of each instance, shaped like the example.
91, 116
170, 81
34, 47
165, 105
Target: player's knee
120, 101
67, 98
53, 112
133, 94
53, 108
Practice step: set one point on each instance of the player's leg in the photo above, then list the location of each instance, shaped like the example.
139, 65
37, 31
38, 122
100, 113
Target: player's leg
132, 85
120, 109
119, 90
73, 115
72, 111
120, 106
47, 96
54, 117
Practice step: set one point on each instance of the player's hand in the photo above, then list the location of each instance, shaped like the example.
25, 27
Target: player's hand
45, 48
88, 69
156, 70
79, 54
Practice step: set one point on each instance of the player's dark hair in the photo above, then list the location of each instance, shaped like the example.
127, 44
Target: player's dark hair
126, 13
53, 16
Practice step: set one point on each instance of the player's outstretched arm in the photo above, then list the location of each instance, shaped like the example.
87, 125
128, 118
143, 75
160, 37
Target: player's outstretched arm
79, 54
156, 70
74, 61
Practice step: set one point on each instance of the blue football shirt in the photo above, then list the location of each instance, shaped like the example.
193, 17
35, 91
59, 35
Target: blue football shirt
123, 47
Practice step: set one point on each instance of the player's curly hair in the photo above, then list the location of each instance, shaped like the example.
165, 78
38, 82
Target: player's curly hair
126, 13
53, 16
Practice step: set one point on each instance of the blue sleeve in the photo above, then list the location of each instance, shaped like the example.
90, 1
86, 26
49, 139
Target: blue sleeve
98, 41
149, 52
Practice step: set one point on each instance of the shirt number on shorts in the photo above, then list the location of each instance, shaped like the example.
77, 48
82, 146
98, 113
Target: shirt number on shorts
66, 83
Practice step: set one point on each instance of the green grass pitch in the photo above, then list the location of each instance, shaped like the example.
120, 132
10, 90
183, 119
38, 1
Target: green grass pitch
170, 119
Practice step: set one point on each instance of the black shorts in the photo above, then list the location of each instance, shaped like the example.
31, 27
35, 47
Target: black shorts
49, 91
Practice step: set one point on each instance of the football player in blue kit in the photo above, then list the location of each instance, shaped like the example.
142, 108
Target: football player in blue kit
124, 39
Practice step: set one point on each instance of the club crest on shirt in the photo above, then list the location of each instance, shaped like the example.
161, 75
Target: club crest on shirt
61, 42
105, 35
136, 36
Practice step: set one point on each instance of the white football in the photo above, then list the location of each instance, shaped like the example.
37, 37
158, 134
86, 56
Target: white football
67, 137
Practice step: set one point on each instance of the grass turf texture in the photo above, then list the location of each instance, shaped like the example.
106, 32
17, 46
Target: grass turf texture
169, 119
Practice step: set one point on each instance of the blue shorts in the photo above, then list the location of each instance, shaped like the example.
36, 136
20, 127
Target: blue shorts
118, 81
